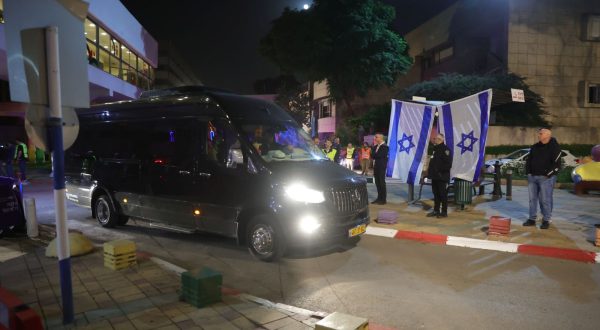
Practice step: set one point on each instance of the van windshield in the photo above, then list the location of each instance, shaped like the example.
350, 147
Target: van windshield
281, 141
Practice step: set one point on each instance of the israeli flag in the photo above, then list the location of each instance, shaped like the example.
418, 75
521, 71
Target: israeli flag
408, 137
464, 124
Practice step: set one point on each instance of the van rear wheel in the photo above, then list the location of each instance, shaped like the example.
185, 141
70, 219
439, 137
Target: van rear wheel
106, 214
265, 239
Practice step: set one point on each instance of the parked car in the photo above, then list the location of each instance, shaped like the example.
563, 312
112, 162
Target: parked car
520, 156
11, 206
194, 159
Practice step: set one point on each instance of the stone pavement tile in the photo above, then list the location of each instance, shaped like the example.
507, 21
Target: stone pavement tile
98, 325
103, 314
188, 324
171, 327
92, 285
202, 313
124, 292
164, 299
262, 315
133, 315
136, 306
84, 302
243, 323
214, 323
114, 284
151, 320
148, 289
300, 317
284, 322
175, 314
51, 310
226, 311
133, 297
121, 323
102, 299
296, 326
168, 289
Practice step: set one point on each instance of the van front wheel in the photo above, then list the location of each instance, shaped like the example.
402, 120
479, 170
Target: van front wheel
105, 212
265, 239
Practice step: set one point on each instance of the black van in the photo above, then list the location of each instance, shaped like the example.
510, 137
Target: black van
198, 159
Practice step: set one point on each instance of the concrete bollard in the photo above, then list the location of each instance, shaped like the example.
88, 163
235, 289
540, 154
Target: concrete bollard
509, 185
30, 217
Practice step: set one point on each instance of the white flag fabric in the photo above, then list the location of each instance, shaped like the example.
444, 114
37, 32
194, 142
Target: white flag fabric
408, 138
464, 124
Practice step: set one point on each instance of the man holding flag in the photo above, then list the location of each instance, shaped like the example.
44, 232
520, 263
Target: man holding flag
439, 173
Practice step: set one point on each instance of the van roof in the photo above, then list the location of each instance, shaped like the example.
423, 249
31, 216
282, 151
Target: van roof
227, 103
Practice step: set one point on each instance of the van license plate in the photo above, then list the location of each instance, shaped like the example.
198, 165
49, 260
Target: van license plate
355, 231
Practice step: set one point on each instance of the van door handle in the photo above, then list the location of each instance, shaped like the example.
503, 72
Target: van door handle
185, 172
204, 175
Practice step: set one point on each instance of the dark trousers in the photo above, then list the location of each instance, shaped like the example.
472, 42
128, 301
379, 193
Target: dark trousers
379, 175
23, 168
440, 196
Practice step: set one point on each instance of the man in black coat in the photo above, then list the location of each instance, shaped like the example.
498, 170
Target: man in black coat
380, 160
439, 173
542, 165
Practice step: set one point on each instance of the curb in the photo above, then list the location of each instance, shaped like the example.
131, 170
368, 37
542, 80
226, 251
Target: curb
527, 249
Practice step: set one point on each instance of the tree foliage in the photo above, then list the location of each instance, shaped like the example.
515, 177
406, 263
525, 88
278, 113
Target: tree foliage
348, 42
449, 87
294, 97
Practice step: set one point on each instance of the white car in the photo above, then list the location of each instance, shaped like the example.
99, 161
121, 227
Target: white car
521, 156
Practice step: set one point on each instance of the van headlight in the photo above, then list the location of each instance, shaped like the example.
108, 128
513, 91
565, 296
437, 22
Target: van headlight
308, 224
300, 193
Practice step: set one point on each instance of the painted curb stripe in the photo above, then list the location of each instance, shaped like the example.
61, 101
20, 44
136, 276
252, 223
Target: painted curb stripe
378, 231
421, 237
545, 251
482, 244
561, 253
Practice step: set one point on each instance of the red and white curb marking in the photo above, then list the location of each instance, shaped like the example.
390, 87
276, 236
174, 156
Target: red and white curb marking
536, 250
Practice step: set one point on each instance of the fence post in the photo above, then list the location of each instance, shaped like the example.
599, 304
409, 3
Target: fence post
497, 188
509, 185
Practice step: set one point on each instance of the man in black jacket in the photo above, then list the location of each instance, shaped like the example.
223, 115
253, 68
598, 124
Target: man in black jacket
542, 165
380, 160
439, 173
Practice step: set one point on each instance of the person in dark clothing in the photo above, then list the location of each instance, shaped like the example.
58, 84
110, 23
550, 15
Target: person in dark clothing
439, 173
21, 157
542, 165
338, 147
380, 160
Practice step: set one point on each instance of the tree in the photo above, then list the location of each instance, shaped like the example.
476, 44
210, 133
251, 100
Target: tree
349, 43
453, 86
295, 98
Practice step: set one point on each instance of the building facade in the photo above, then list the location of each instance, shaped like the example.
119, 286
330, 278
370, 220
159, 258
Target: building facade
122, 58
554, 44
173, 70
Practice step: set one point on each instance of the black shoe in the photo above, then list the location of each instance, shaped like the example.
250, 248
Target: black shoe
381, 202
545, 225
529, 223
375, 201
432, 214
442, 215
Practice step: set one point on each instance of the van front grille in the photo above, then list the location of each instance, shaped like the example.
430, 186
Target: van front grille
349, 199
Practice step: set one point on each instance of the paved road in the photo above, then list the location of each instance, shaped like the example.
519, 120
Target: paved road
403, 284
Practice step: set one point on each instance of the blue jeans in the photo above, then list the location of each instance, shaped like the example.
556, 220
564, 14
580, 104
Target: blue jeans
540, 190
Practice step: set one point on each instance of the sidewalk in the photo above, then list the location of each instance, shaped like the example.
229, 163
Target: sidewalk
573, 225
141, 297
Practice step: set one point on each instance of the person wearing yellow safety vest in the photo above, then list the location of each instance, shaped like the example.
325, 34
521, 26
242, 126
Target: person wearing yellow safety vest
349, 161
329, 151
21, 156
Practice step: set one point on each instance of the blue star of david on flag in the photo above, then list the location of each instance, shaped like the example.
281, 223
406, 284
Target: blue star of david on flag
402, 143
464, 147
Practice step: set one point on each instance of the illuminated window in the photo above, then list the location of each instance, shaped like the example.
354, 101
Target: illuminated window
110, 55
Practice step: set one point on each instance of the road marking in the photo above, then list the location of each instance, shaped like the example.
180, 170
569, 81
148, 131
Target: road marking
378, 231
598, 258
482, 244
490, 267
480, 260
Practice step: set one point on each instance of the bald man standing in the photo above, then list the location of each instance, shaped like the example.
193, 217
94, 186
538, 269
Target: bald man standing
542, 165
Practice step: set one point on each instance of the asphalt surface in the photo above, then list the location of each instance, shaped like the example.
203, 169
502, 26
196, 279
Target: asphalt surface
396, 283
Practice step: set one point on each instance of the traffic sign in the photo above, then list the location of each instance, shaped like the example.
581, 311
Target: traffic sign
36, 117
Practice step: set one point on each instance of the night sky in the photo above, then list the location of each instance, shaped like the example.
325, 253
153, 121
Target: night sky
219, 39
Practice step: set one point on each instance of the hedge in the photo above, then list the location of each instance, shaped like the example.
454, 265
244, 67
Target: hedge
578, 150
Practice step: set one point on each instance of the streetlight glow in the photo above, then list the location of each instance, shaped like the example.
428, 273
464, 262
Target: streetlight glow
306, 6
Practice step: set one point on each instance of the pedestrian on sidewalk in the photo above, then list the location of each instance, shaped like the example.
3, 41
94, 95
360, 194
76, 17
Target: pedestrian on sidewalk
365, 157
380, 160
329, 151
542, 165
350, 157
21, 157
338, 147
439, 173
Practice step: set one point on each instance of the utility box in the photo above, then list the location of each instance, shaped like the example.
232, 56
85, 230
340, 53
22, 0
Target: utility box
119, 254
339, 321
201, 287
